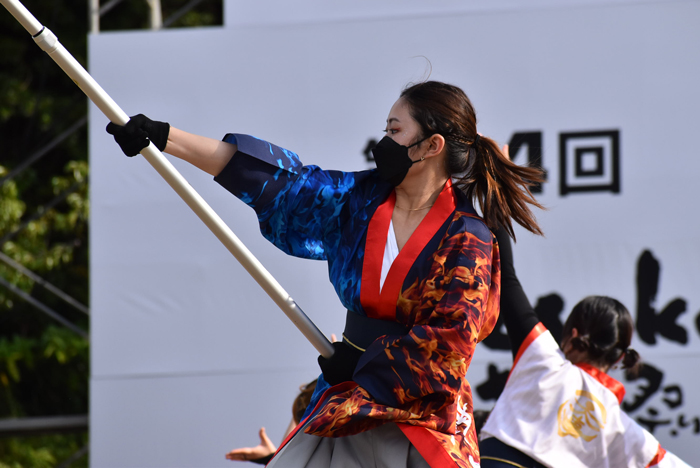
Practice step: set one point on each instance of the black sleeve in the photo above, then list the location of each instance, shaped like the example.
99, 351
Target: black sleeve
518, 315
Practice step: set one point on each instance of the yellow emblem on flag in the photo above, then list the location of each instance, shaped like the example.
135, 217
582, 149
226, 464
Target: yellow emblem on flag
585, 417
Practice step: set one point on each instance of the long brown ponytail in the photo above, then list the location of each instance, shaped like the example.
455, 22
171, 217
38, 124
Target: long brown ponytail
479, 167
501, 187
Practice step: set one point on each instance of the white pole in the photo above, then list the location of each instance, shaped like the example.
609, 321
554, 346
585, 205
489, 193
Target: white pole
49, 43
94, 11
156, 14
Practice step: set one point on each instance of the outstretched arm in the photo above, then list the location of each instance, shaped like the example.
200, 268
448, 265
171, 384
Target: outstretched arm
518, 315
207, 154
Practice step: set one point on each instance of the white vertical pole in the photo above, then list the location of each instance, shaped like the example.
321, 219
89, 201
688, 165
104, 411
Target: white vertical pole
94, 12
156, 14
49, 43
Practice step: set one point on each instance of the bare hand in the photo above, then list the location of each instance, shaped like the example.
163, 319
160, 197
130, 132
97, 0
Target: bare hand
265, 448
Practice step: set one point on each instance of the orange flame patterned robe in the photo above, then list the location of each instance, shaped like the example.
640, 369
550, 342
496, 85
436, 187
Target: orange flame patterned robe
444, 285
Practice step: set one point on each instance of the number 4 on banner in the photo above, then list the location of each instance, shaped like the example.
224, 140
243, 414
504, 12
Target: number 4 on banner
49, 44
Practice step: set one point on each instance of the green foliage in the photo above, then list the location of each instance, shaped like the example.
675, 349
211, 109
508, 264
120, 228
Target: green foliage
23, 455
45, 451
44, 216
135, 15
49, 244
57, 362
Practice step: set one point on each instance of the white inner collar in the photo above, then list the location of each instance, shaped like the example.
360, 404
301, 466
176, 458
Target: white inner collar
391, 251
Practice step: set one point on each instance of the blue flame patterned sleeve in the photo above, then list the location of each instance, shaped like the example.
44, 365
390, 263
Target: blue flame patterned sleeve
298, 207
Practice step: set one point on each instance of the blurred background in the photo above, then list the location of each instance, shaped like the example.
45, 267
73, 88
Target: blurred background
44, 219
130, 337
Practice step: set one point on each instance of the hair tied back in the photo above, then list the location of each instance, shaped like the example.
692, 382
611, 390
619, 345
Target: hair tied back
631, 362
475, 143
474, 149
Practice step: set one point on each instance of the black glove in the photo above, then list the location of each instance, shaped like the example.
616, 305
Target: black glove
340, 367
134, 136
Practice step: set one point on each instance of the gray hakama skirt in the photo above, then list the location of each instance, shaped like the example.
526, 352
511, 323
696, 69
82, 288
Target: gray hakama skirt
382, 447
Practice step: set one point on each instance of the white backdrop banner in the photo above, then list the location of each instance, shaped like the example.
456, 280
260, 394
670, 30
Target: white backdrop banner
190, 358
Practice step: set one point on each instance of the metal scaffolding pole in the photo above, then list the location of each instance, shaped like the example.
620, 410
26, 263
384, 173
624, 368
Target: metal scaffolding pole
44, 308
44, 151
45, 284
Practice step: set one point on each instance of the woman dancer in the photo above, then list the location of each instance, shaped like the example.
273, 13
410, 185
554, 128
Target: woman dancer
559, 407
409, 257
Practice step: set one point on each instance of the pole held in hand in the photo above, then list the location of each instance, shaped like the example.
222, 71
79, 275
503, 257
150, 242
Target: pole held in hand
50, 44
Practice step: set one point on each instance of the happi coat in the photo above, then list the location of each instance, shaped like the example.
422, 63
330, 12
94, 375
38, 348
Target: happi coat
564, 414
444, 285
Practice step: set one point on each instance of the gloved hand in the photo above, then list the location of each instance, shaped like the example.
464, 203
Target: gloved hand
340, 367
134, 136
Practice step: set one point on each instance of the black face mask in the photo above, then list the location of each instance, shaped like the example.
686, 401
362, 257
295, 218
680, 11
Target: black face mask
392, 160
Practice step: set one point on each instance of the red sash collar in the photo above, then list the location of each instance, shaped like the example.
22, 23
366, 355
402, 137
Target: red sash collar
383, 305
611, 384
532, 336
608, 382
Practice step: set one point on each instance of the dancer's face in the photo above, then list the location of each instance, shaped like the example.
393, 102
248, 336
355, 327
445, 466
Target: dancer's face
402, 127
